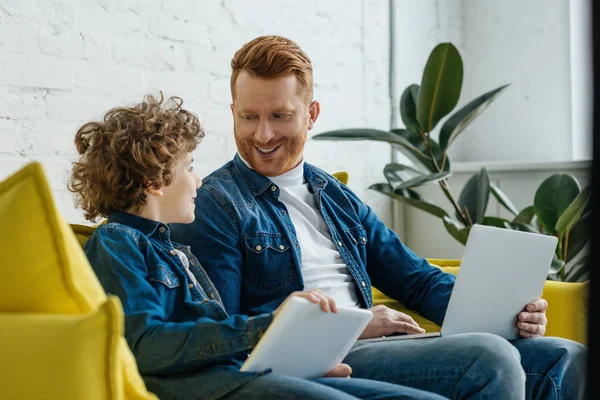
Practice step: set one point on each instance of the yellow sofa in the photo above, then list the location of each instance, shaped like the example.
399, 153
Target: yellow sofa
62, 336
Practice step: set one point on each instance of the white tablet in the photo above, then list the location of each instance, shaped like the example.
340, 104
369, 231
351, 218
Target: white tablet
305, 342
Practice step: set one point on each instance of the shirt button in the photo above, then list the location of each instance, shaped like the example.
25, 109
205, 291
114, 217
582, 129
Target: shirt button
162, 229
212, 295
172, 251
364, 239
283, 213
168, 281
273, 188
297, 244
191, 285
363, 284
340, 244
258, 247
281, 247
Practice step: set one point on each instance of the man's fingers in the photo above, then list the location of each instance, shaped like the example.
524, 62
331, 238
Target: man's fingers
403, 326
531, 329
537, 305
533, 318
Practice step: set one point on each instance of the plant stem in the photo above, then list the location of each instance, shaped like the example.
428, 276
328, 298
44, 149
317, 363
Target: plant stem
446, 189
443, 161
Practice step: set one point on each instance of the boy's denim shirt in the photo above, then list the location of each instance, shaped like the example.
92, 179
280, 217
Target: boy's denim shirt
245, 238
185, 343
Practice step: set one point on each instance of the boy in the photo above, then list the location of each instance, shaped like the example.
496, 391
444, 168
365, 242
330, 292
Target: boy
135, 168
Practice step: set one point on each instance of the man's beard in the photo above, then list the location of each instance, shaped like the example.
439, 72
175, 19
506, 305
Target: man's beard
292, 148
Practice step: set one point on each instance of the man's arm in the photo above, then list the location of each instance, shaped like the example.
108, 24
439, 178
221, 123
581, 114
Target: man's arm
213, 238
398, 272
159, 345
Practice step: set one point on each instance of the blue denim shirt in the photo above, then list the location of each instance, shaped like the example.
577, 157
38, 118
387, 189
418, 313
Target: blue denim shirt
245, 238
185, 343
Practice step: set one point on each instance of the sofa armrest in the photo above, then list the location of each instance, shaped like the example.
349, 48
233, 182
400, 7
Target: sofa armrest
567, 305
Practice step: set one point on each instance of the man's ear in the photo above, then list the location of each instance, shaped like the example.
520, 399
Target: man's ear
313, 113
232, 109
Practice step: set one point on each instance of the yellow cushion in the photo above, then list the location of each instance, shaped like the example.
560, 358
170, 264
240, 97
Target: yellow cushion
44, 269
567, 305
62, 356
342, 176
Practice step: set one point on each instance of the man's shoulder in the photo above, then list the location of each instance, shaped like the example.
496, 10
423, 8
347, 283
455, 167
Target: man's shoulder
225, 185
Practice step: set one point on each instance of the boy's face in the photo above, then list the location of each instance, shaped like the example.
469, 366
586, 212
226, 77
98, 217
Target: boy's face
177, 202
271, 121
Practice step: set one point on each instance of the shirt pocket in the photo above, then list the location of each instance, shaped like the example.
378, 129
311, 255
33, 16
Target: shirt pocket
161, 275
269, 261
358, 236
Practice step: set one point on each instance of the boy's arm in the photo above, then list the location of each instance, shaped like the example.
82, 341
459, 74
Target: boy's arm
159, 345
214, 240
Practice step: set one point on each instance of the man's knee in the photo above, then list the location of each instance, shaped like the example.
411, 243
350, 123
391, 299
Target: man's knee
493, 356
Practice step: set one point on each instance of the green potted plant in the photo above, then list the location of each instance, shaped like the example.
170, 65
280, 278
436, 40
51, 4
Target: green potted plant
560, 207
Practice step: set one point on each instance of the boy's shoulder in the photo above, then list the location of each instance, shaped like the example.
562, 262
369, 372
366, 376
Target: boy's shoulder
116, 231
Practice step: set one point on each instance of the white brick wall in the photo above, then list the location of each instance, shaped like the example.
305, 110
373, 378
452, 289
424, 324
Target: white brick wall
64, 62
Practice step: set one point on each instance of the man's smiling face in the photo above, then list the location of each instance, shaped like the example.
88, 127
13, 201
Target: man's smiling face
271, 122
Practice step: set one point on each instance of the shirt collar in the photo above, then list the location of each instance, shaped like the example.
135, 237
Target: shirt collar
258, 183
147, 226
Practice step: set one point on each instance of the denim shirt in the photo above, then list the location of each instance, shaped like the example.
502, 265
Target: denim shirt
186, 345
245, 238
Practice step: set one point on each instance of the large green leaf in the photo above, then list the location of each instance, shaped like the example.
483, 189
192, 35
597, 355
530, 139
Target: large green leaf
579, 236
403, 177
570, 216
577, 271
396, 174
475, 196
497, 222
525, 216
462, 118
456, 229
503, 199
552, 198
520, 226
423, 179
408, 108
410, 197
362, 134
440, 85
422, 152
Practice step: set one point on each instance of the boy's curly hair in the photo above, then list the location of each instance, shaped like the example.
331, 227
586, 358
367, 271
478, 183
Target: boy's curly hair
132, 149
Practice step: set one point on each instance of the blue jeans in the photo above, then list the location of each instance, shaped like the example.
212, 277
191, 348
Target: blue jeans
477, 365
278, 387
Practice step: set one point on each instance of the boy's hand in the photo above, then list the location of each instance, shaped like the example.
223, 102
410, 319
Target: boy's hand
341, 371
316, 296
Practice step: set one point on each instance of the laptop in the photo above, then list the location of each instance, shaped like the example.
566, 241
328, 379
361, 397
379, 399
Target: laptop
501, 271
305, 342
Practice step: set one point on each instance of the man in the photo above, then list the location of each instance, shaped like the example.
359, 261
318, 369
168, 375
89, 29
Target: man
273, 224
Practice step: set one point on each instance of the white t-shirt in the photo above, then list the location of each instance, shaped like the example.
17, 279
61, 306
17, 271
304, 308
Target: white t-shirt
322, 265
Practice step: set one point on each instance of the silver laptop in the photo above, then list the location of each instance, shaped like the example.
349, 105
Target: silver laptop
501, 271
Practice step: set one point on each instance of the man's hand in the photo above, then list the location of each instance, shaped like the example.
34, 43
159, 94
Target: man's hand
532, 322
341, 371
316, 296
387, 321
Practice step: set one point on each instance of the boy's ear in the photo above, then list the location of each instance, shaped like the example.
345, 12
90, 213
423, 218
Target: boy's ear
153, 189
